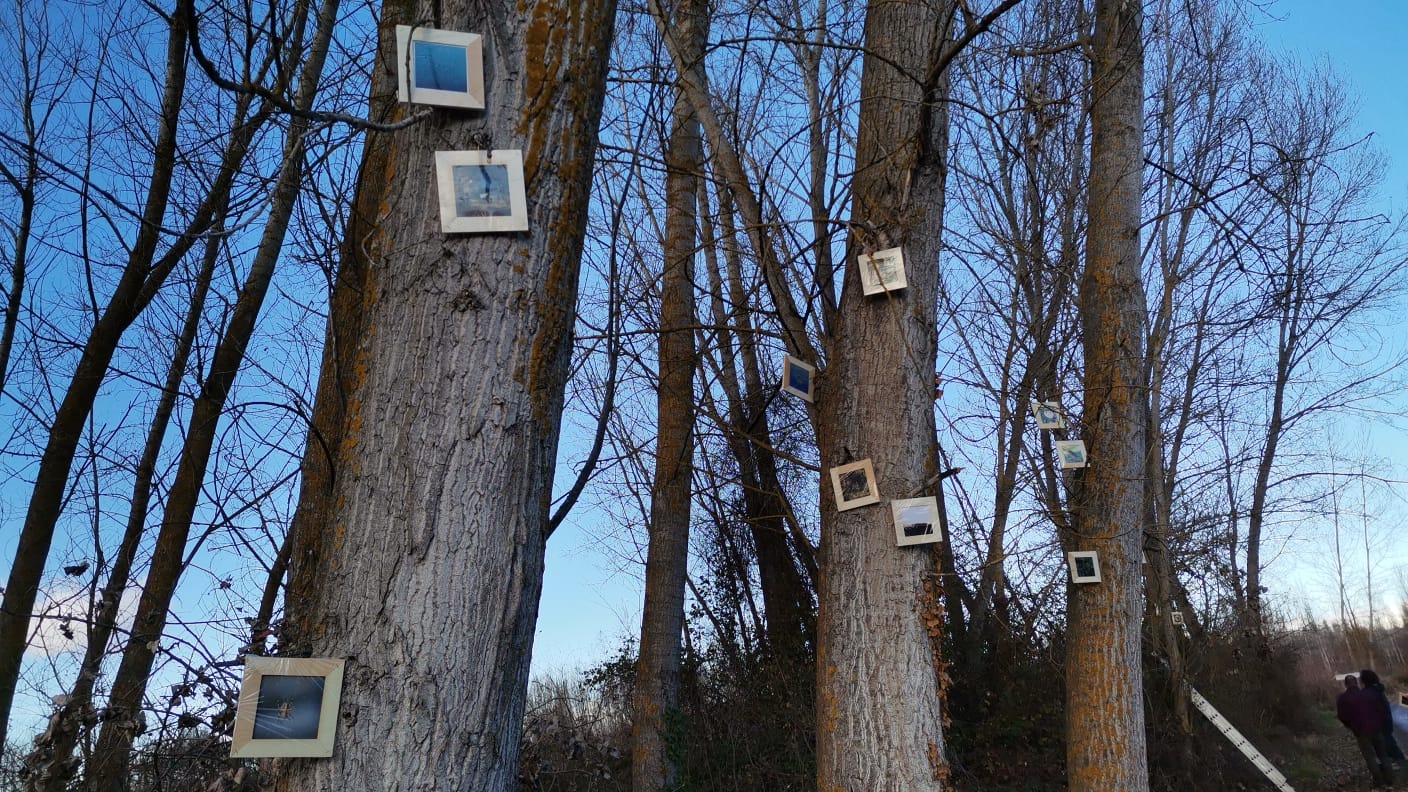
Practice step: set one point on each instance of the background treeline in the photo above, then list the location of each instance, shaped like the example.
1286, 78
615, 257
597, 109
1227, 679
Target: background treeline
169, 243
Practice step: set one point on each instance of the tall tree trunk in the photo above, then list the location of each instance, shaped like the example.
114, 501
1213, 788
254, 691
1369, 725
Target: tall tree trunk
50, 763
1104, 700
879, 676
787, 600
108, 766
655, 722
419, 535
134, 291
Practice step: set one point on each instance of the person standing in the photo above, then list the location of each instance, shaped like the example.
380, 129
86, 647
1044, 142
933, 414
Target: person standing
1370, 681
1358, 710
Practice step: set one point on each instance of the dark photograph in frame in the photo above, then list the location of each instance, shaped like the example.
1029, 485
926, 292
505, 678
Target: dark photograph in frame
287, 707
854, 485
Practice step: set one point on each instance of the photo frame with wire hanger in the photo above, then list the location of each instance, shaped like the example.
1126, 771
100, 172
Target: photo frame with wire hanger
439, 67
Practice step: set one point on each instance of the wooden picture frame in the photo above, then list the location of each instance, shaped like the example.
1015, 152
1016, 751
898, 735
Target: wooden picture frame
1048, 415
439, 67
481, 191
854, 485
287, 707
1071, 454
882, 271
916, 521
798, 378
1084, 566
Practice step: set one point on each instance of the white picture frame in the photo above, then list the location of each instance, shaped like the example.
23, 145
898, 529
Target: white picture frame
1071, 454
882, 271
854, 485
1084, 566
1048, 415
1177, 617
287, 707
439, 67
916, 521
798, 378
481, 192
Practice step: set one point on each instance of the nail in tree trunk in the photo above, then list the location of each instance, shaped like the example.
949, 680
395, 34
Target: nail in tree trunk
1104, 700
419, 535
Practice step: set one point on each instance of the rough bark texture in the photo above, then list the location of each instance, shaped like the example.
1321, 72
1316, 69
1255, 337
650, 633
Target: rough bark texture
879, 676
654, 727
419, 537
1104, 703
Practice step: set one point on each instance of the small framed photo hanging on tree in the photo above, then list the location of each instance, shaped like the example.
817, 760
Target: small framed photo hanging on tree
916, 520
1071, 453
798, 378
439, 67
481, 191
287, 707
854, 485
882, 271
1048, 415
1084, 566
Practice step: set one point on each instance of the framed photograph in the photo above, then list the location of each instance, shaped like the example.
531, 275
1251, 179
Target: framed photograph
439, 67
798, 378
916, 520
854, 485
882, 271
481, 191
1048, 415
1071, 453
287, 707
1085, 566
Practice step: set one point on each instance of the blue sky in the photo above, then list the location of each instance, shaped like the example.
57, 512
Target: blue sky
1366, 41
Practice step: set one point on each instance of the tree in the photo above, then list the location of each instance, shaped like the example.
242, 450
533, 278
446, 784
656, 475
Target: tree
655, 722
142, 277
879, 671
419, 536
109, 763
1104, 690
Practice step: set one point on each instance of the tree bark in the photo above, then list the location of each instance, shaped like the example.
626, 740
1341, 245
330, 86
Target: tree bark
419, 536
879, 674
1104, 701
655, 726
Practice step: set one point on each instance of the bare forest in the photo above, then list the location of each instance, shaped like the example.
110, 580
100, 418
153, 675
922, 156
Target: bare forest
975, 389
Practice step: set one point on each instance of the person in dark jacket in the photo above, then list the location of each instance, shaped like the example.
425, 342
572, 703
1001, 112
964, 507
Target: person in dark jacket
1370, 681
1358, 710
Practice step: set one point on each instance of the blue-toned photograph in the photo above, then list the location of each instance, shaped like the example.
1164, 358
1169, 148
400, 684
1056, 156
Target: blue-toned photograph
799, 379
482, 191
441, 67
289, 707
